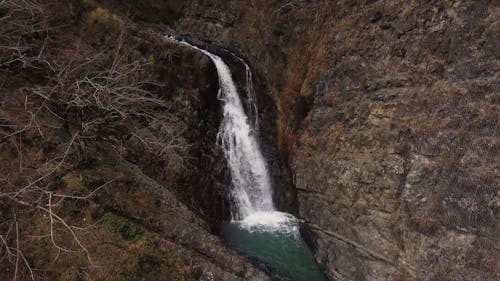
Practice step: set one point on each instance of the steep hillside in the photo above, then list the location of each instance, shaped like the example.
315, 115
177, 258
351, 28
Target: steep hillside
106, 133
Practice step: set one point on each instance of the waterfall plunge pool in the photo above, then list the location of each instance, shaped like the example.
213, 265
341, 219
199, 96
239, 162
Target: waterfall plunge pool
274, 239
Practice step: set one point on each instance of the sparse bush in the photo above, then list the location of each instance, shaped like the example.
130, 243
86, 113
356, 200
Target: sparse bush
105, 25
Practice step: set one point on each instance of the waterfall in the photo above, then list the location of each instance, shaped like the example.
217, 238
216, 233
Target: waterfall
251, 184
256, 229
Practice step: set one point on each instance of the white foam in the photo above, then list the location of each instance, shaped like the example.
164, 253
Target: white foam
277, 222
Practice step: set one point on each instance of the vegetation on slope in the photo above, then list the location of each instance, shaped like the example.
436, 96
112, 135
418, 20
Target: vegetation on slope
76, 90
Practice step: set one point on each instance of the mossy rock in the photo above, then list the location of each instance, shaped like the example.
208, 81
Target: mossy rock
121, 227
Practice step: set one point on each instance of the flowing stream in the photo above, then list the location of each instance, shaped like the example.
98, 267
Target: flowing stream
257, 229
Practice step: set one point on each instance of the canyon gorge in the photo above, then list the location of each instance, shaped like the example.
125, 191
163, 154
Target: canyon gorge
372, 125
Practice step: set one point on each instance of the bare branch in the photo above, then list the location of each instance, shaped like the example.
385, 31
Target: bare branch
102, 88
20, 30
57, 166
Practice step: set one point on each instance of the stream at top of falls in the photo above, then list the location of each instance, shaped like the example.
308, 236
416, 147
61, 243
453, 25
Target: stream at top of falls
256, 229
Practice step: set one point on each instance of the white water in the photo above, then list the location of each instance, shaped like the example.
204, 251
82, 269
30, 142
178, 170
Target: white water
251, 185
276, 222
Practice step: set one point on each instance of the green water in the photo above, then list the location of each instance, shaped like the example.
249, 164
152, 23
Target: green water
283, 252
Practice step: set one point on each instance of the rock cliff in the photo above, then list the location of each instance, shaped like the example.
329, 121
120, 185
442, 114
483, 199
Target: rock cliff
387, 123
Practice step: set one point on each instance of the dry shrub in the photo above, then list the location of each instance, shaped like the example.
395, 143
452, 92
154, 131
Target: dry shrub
85, 94
104, 24
23, 31
114, 85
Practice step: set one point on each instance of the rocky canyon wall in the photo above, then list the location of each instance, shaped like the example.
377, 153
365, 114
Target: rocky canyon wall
387, 122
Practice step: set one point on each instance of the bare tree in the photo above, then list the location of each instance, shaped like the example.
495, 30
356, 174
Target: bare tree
36, 195
116, 85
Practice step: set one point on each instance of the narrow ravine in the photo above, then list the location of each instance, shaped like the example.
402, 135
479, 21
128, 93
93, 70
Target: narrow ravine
257, 229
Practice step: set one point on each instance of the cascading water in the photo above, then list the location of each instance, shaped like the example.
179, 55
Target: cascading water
250, 179
256, 229
251, 188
